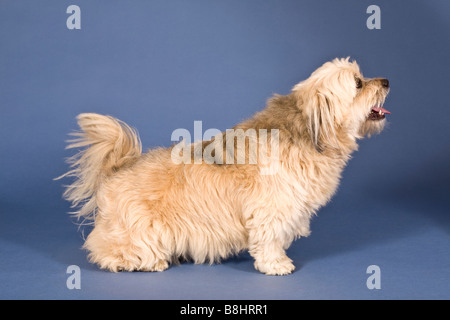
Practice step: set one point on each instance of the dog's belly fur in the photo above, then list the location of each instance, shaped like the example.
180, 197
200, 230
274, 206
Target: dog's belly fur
154, 212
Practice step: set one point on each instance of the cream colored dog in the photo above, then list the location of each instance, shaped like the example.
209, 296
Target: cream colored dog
149, 212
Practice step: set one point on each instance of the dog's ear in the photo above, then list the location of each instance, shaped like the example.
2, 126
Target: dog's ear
320, 120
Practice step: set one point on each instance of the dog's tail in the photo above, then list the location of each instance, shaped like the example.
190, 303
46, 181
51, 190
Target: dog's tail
110, 145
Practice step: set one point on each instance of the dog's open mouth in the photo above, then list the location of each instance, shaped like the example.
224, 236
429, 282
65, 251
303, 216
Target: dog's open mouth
378, 113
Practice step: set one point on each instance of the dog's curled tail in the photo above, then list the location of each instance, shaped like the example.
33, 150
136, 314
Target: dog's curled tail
110, 145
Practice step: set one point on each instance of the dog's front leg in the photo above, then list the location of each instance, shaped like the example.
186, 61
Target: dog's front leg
269, 254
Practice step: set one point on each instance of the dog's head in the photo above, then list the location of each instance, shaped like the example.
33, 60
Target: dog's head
339, 103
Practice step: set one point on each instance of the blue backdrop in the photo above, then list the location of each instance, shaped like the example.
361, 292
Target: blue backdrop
160, 65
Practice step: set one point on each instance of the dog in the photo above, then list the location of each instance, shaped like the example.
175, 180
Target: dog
150, 211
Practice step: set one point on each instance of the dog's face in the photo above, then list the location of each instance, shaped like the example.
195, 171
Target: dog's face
337, 100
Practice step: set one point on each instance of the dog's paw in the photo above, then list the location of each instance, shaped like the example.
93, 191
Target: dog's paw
277, 267
160, 265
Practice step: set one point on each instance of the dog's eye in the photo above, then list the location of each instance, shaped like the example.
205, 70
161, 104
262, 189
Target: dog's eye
358, 83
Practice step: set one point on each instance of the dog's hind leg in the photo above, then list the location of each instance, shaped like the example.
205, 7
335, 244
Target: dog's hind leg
119, 247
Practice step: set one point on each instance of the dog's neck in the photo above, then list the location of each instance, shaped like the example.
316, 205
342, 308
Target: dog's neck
282, 113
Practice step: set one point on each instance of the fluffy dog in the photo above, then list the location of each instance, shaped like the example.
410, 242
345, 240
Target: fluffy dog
149, 211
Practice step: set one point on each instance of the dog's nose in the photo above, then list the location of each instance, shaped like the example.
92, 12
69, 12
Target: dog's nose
385, 83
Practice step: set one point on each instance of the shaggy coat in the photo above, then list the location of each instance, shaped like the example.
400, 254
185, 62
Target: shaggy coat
150, 211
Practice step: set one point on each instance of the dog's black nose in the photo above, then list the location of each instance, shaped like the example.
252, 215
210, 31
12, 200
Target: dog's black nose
385, 83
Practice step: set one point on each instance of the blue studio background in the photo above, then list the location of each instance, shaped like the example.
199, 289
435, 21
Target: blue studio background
160, 65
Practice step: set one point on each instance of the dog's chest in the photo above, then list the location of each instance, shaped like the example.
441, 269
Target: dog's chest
311, 184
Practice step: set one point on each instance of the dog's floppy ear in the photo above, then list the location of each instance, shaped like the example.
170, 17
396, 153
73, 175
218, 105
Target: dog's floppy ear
320, 120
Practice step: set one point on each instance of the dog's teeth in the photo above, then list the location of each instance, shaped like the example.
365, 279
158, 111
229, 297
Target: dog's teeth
380, 113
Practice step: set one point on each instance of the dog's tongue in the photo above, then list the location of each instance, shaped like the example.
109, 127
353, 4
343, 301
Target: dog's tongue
378, 109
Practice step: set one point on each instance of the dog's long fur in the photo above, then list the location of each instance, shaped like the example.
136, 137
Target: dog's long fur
149, 212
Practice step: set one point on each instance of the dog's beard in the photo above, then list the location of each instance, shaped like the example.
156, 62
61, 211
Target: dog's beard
371, 127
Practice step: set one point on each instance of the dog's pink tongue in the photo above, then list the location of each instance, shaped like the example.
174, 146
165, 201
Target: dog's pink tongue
378, 109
